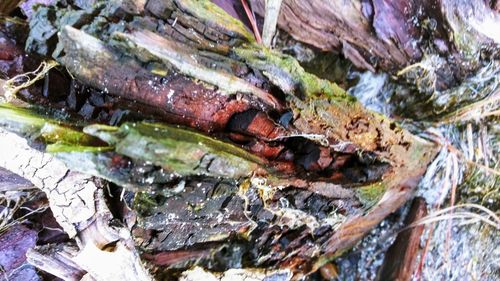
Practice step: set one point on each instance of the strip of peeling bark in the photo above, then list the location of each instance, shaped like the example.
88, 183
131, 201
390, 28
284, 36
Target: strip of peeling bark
11, 182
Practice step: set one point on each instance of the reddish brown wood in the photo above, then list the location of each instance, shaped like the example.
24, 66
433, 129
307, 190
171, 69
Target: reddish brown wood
401, 258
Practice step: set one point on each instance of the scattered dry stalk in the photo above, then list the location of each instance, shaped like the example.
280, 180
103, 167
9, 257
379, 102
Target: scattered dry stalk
270, 21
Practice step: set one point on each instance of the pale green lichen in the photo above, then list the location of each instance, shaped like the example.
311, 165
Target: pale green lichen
285, 72
369, 195
27, 122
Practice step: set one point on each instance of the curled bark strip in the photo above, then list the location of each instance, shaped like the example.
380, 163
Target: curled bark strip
326, 24
177, 55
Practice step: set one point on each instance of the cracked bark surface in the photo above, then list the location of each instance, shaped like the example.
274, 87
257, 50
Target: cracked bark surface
78, 206
71, 194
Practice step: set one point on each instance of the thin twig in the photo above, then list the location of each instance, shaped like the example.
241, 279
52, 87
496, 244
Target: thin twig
252, 20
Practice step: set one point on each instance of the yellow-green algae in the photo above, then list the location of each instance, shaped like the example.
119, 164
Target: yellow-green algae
214, 16
27, 122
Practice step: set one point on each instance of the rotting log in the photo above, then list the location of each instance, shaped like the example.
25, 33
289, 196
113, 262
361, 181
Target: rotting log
333, 169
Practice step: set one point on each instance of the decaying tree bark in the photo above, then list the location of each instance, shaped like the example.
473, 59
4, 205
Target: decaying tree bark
391, 35
256, 162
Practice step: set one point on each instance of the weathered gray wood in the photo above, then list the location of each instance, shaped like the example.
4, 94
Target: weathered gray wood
78, 206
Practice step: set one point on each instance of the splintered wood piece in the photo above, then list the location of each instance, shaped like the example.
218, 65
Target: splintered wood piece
401, 259
56, 261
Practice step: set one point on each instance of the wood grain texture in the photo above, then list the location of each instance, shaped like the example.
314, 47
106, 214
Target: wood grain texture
401, 258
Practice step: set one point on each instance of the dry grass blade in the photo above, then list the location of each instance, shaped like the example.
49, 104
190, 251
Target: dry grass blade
489, 217
439, 139
12, 202
476, 111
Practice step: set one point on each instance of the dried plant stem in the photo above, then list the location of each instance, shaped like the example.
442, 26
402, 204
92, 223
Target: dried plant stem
12, 86
270, 21
475, 111
490, 218
253, 22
